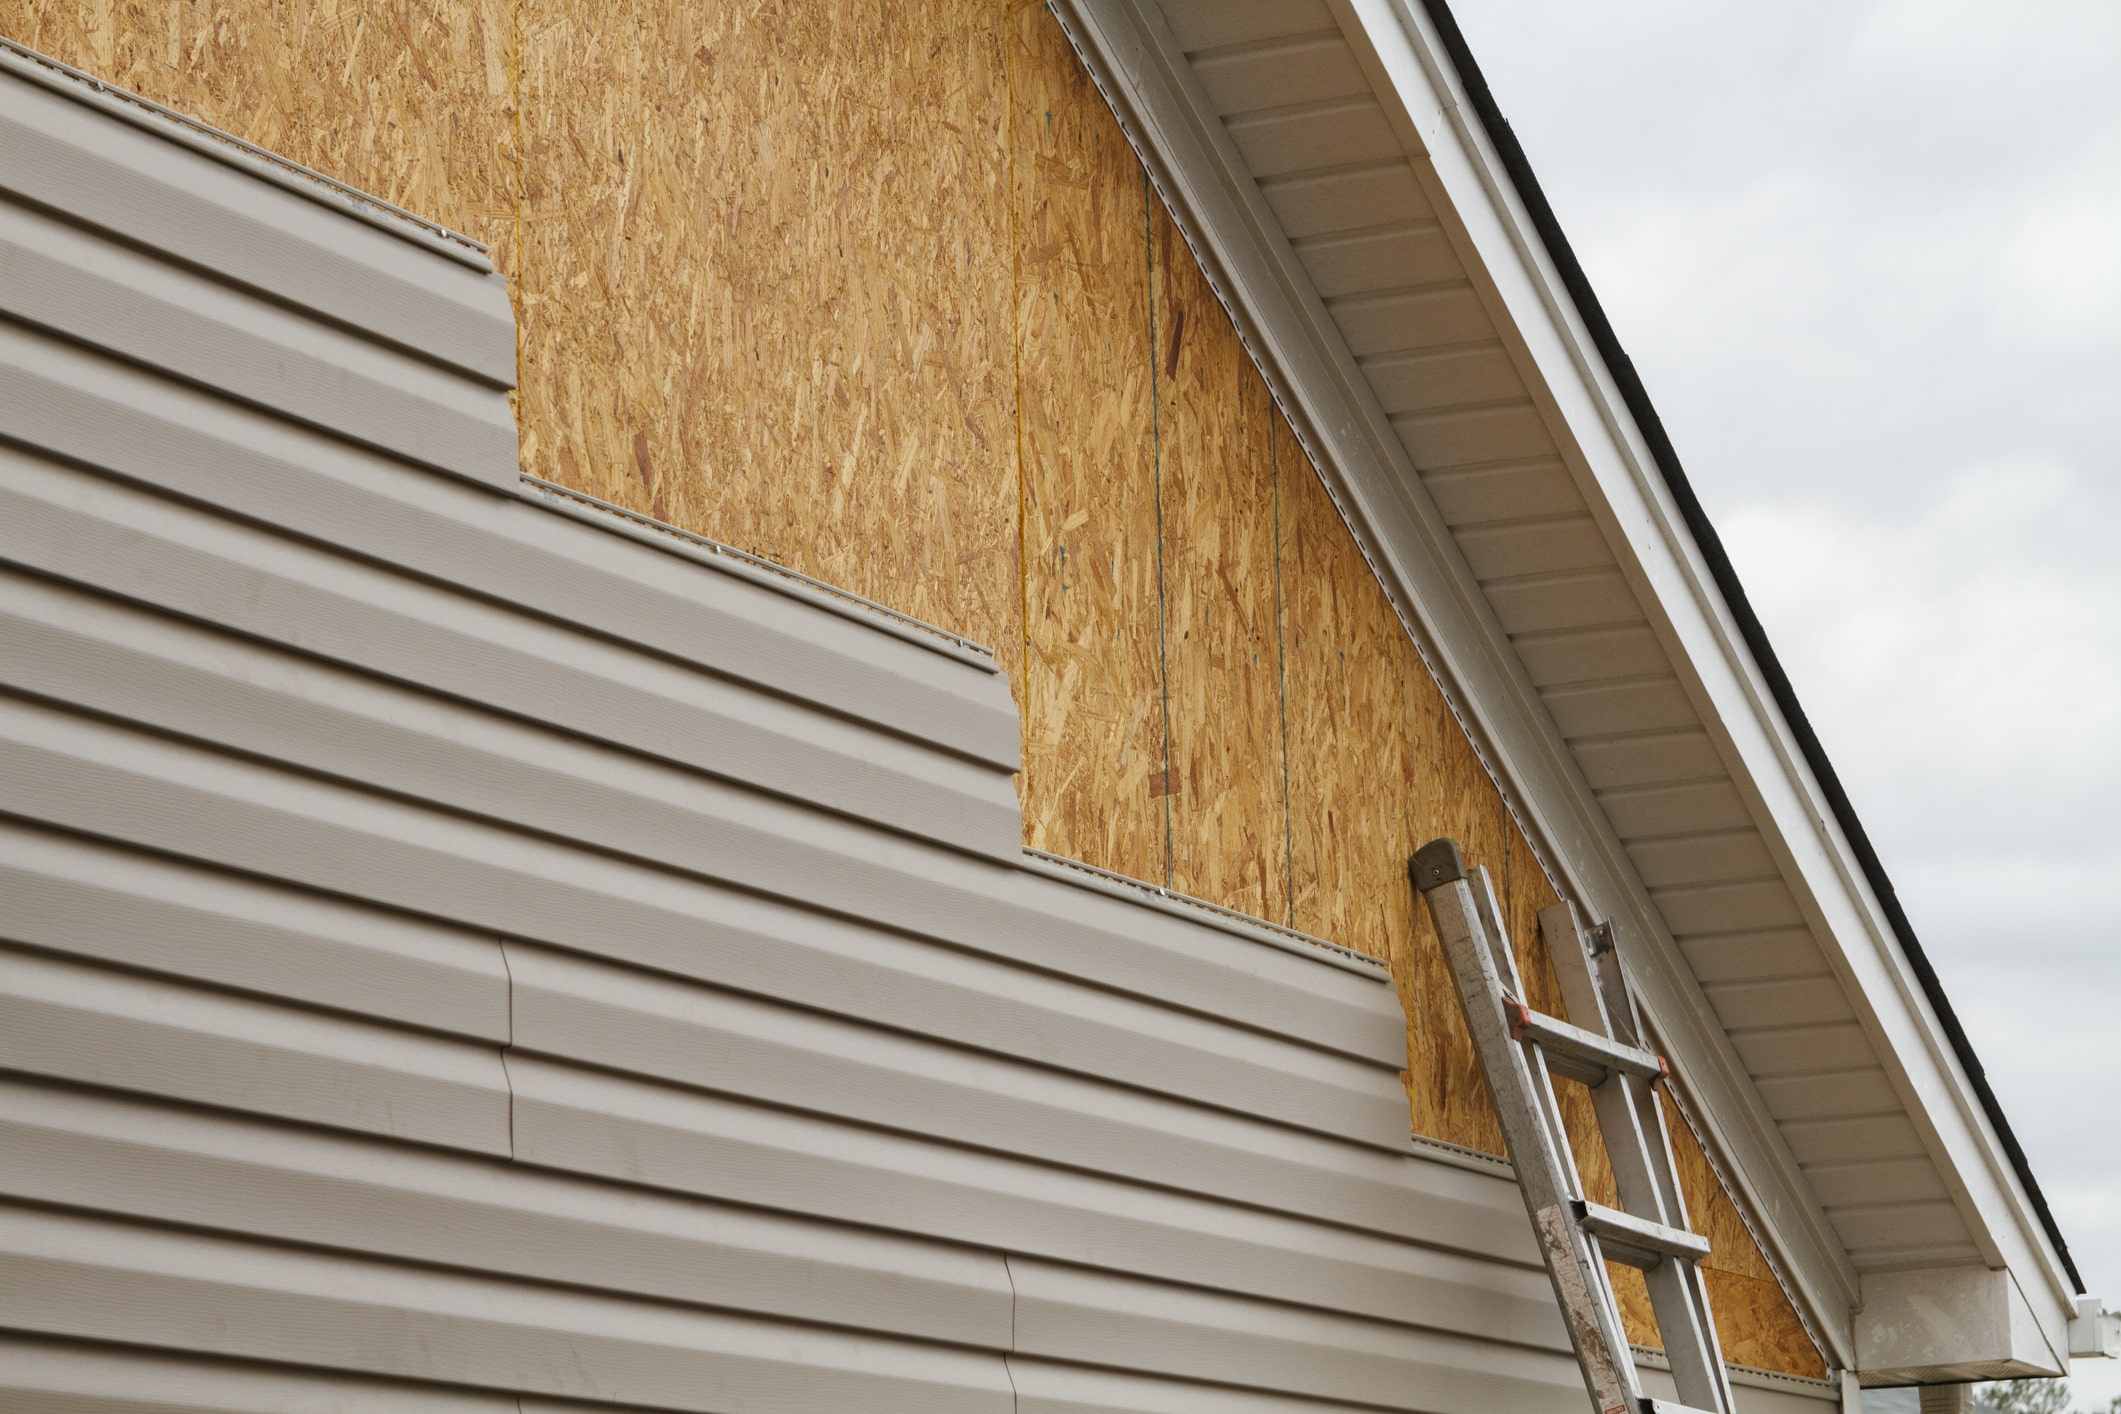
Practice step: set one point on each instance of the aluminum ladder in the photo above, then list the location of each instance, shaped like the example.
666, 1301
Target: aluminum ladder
1520, 1053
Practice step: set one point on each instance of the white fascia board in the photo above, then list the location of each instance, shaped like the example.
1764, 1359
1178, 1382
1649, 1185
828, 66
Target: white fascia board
1620, 479
1137, 63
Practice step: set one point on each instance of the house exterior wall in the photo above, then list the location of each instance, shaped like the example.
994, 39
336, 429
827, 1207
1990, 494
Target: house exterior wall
938, 342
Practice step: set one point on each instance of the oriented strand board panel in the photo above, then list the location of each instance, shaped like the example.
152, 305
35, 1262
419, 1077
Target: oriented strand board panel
410, 101
1216, 484
1089, 673
1356, 774
1757, 1326
765, 286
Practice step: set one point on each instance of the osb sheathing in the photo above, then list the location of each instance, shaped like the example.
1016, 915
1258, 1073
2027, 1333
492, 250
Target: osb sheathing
766, 285
1216, 488
1089, 672
880, 292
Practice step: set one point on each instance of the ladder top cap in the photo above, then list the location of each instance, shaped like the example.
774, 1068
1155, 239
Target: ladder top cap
1435, 864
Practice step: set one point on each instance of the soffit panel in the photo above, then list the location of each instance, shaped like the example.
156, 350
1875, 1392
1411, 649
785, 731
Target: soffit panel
1366, 234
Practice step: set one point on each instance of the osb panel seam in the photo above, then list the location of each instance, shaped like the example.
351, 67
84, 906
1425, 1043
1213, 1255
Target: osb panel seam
1156, 466
1281, 673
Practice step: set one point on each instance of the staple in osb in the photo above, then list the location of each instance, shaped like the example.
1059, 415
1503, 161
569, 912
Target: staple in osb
1091, 689
409, 101
1222, 664
766, 285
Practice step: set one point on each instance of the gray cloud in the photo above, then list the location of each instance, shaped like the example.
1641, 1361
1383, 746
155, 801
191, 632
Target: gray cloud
1868, 258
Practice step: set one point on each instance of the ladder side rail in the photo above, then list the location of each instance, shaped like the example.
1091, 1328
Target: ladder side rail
1647, 1188
1511, 979
1570, 1183
1602, 964
1617, 1120
1678, 1290
1644, 1171
1479, 962
1496, 935
1544, 1101
1583, 994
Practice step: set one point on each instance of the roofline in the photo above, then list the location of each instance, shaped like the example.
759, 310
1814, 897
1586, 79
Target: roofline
1666, 458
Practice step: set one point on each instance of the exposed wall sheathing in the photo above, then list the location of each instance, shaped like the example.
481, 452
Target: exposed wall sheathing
882, 293
765, 285
1216, 488
1089, 673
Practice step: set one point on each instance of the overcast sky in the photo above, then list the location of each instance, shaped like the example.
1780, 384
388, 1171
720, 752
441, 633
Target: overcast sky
1867, 257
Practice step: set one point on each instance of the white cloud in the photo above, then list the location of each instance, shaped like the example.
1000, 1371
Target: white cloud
1962, 659
2059, 268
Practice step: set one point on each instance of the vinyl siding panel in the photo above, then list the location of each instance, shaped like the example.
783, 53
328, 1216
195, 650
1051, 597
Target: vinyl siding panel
156, 1163
100, 1027
79, 1276
40, 1376
1091, 1317
252, 233
73, 896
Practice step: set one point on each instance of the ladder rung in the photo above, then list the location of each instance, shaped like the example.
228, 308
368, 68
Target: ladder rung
1666, 1406
1635, 1242
1576, 1053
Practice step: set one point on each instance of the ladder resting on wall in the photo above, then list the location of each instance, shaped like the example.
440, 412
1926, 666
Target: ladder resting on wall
1521, 1051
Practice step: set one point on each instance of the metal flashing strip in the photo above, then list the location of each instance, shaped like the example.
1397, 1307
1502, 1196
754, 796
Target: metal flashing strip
1666, 460
27, 63
1459, 1156
1654, 1359
1193, 910
730, 560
